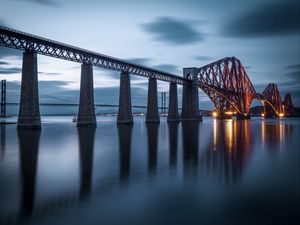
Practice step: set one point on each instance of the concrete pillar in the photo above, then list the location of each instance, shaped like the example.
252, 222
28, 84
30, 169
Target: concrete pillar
190, 100
29, 111
125, 112
152, 109
173, 104
86, 113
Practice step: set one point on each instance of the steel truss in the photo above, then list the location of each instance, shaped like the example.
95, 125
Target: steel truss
227, 85
28, 42
272, 97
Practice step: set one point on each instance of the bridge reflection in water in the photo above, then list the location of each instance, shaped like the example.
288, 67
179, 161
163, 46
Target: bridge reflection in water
229, 150
28, 169
86, 137
218, 151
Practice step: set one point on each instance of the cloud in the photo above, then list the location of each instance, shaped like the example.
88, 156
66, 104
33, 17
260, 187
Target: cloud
11, 70
173, 31
203, 58
43, 2
139, 61
293, 72
49, 74
4, 63
2, 23
167, 68
267, 19
103, 95
295, 75
293, 67
50, 91
6, 52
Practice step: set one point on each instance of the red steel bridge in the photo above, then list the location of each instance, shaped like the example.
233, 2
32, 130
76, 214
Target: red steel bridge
225, 82
230, 89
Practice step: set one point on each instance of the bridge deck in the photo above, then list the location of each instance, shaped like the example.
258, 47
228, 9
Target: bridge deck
27, 42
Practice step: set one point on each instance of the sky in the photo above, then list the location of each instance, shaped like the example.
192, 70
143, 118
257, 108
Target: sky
168, 35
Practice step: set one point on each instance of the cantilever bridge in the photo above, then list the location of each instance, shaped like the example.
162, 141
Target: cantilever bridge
225, 82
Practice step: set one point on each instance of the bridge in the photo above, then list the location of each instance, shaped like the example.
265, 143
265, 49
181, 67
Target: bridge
225, 82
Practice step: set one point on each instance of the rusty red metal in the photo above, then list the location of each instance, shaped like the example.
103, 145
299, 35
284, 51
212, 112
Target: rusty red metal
272, 100
227, 85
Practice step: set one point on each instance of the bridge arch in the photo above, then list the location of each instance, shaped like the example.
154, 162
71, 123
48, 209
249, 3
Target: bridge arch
271, 100
219, 95
227, 84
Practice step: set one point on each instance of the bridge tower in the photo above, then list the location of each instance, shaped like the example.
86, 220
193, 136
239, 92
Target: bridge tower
190, 100
152, 115
173, 115
273, 104
86, 113
125, 111
29, 111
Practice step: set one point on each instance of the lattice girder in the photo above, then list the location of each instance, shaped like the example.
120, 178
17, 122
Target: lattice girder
227, 83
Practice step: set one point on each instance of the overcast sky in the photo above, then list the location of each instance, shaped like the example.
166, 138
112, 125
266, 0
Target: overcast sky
169, 35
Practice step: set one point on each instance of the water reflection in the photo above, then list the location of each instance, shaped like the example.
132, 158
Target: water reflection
152, 135
29, 148
274, 134
173, 143
86, 138
190, 134
227, 155
2, 141
219, 151
125, 133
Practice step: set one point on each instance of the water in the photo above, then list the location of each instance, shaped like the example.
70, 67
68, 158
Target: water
214, 172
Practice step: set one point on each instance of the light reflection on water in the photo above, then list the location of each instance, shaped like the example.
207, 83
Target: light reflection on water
217, 171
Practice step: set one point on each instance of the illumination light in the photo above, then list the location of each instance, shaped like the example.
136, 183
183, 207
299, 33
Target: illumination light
281, 115
263, 115
229, 113
214, 114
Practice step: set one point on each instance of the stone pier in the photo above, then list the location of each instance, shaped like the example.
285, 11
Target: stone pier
173, 104
152, 109
86, 113
125, 111
190, 100
29, 111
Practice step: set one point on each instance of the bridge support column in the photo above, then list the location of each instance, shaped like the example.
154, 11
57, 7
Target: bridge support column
29, 111
86, 113
125, 112
190, 100
173, 104
152, 109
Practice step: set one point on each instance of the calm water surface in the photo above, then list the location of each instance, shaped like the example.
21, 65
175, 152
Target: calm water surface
214, 172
